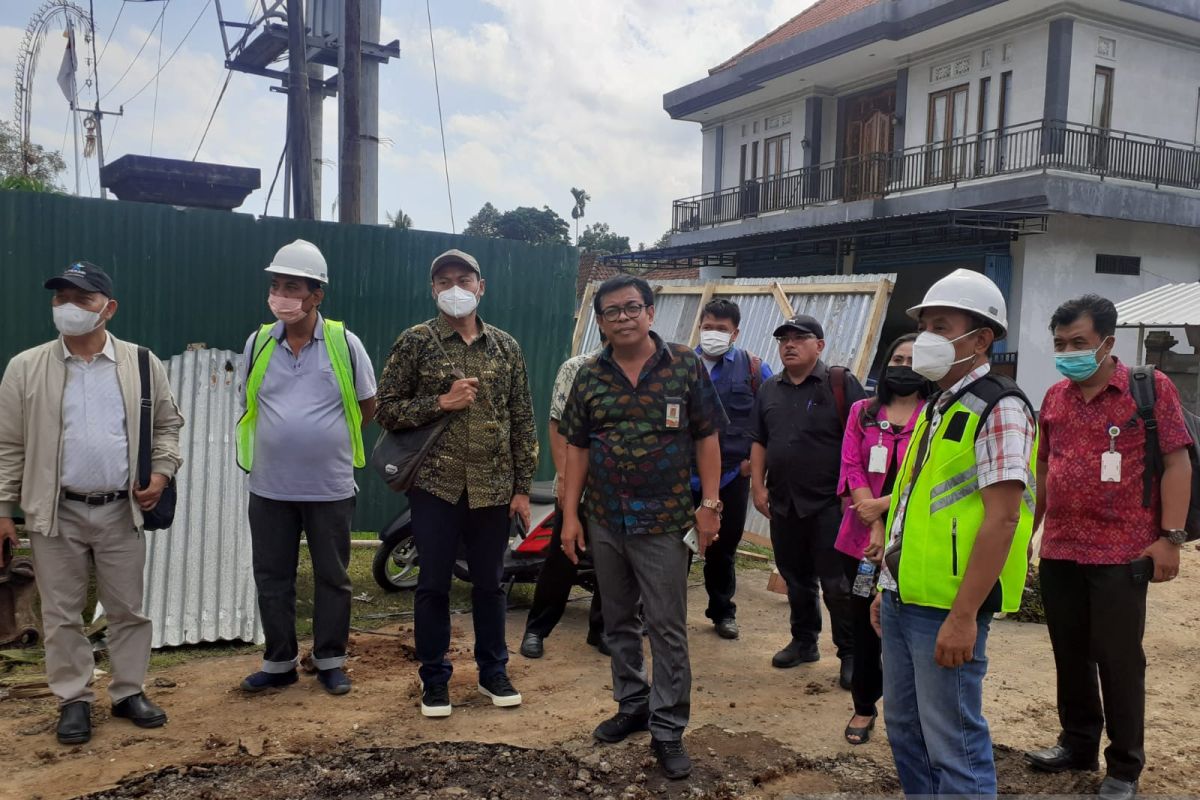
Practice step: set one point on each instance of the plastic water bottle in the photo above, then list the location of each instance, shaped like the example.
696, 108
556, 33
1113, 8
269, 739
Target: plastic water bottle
864, 581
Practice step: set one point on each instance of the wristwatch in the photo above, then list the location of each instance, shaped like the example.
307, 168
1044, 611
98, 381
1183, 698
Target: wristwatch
713, 505
1176, 536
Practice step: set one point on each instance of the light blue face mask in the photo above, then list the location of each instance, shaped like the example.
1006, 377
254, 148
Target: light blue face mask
1078, 365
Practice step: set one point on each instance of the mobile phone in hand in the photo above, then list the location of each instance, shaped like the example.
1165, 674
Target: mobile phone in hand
691, 541
1141, 570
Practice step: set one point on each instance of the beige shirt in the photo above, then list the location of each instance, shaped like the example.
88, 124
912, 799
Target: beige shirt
95, 446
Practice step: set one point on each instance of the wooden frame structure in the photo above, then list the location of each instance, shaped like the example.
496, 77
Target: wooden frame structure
781, 290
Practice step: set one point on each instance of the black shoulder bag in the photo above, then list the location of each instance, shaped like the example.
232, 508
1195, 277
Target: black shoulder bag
163, 514
399, 454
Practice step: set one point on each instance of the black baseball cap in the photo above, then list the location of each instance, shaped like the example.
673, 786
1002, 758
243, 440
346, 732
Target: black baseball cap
83, 275
801, 323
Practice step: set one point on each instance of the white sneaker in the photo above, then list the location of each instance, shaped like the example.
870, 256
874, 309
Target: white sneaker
435, 700
500, 689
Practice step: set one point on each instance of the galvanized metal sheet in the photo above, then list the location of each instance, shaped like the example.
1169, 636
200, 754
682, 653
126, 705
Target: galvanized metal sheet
1172, 306
199, 581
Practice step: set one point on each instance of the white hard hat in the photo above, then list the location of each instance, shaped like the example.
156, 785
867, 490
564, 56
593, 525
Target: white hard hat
967, 290
300, 258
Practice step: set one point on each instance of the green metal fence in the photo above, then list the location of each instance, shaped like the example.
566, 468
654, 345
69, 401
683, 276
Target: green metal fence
187, 276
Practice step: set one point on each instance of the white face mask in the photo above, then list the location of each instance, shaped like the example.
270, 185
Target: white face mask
715, 344
933, 355
457, 302
71, 320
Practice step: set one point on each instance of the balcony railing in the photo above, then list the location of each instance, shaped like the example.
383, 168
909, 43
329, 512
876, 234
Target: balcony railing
1029, 147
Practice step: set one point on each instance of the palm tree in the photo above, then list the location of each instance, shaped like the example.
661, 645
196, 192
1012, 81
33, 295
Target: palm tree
399, 220
581, 200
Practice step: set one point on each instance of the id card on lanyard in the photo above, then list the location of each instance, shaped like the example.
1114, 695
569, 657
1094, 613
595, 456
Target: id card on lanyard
1110, 461
877, 462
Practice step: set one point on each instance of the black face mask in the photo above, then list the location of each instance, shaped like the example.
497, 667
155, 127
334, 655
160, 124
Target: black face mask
902, 381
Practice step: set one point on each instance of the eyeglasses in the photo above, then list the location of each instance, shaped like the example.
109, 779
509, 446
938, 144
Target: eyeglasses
630, 310
795, 337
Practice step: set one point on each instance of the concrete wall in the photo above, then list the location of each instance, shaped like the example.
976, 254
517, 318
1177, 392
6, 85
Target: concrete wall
1155, 82
708, 151
745, 129
1058, 265
1026, 59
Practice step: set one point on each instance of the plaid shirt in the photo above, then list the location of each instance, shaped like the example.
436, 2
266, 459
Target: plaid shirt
1002, 450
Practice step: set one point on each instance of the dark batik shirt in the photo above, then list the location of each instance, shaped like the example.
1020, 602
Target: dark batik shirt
641, 440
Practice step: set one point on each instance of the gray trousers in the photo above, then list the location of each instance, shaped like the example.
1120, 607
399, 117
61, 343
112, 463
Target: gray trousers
654, 569
275, 528
103, 535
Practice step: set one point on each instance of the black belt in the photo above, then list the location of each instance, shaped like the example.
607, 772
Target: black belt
97, 498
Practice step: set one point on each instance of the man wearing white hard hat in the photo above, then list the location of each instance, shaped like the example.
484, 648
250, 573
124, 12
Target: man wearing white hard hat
309, 389
958, 533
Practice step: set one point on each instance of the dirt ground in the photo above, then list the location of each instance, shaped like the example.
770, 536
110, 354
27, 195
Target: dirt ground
756, 731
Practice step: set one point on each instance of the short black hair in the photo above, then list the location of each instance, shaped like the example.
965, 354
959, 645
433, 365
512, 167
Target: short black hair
1100, 309
619, 282
723, 309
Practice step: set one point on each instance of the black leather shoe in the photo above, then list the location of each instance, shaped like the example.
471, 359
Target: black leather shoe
1116, 789
846, 673
727, 628
673, 757
617, 727
794, 655
75, 723
596, 640
1060, 759
140, 711
531, 645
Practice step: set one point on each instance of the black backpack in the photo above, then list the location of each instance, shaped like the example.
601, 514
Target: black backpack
1141, 386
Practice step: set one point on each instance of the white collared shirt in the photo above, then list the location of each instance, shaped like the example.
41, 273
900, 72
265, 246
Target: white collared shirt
95, 443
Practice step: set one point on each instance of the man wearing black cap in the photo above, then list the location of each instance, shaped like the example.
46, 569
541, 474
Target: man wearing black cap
798, 421
69, 436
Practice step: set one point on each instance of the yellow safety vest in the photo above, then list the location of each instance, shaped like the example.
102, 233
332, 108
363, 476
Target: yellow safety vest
343, 370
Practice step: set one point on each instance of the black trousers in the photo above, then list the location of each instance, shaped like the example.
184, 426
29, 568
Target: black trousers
720, 577
275, 527
866, 687
1096, 616
810, 566
437, 528
553, 589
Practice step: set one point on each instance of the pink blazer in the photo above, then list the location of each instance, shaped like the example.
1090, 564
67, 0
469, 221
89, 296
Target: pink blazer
853, 537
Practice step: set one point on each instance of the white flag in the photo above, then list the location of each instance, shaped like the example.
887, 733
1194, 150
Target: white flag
66, 71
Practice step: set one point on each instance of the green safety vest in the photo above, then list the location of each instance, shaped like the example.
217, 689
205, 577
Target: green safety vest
945, 509
343, 369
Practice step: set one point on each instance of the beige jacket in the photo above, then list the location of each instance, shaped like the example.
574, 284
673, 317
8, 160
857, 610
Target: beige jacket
31, 429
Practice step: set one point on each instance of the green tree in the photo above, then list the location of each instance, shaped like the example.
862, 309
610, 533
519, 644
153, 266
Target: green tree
32, 168
662, 241
599, 238
399, 220
533, 225
581, 200
484, 222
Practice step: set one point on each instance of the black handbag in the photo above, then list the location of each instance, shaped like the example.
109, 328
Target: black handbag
163, 514
399, 454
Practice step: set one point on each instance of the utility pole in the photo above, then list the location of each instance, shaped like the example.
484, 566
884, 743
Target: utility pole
300, 142
350, 80
99, 116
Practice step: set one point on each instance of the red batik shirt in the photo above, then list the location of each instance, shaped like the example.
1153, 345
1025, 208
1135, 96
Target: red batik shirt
1088, 521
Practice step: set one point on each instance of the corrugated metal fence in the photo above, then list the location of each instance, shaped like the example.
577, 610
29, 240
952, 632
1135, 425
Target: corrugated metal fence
186, 276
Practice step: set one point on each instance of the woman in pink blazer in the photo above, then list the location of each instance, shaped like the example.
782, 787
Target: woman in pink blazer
877, 435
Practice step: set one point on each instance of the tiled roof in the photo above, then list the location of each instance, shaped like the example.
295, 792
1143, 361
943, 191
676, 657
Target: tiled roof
591, 270
816, 15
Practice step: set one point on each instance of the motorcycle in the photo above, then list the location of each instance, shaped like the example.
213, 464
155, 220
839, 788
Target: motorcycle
396, 564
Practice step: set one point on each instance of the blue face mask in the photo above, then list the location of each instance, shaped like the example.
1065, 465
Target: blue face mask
1078, 365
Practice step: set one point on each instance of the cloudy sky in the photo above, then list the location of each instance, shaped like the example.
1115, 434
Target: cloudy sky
537, 95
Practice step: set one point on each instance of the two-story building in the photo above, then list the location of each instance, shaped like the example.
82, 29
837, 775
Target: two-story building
1051, 145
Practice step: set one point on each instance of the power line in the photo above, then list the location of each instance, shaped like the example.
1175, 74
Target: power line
441, 125
282, 156
138, 53
166, 63
220, 97
162, 32
111, 31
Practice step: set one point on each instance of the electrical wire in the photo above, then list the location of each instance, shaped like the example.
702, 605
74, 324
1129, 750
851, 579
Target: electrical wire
282, 155
441, 125
162, 31
111, 31
167, 63
220, 97
137, 54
